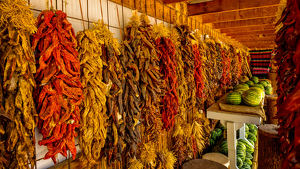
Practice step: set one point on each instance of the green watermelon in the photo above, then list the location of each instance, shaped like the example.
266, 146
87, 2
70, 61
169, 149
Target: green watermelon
264, 83
259, 90
255, 79
269, 90
249, 155
250, 83
252, 127
239, 162
241, 150
248, 161
252, 142
259, 85
252, 137
252, 97
234, 98
224, 147
244, 79
249, 147
245, 166
246, 128
218, 132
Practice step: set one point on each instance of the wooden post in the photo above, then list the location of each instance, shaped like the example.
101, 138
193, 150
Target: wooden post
231, 140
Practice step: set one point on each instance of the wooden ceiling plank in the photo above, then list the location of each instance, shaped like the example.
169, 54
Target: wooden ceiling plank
227, 5
248, 28
241, 14
266, 32
172, 1
248, 22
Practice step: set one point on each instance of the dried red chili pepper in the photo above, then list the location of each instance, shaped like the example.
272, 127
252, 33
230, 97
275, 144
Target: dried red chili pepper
198, 72
288, 84
170, 105
59, 91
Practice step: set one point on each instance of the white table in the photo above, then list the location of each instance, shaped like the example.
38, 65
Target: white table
234, 121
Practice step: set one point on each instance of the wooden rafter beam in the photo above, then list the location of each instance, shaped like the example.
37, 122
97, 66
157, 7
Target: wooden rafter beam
247, 28
254, 39
227, 5
270, 36
256, 33
172, 1
248, 22
241, 14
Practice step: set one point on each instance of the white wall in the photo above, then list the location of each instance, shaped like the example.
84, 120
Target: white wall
91, 13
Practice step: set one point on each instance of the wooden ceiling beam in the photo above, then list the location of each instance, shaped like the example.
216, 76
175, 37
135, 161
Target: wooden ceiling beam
249, 33
247, 28
241, 14
227, 5
272, 37
172, 1
256, 39
248, 22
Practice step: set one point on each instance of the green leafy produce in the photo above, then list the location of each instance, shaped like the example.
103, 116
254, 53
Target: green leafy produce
234, 98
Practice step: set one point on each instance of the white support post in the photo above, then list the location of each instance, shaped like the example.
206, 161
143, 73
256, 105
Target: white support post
231, 141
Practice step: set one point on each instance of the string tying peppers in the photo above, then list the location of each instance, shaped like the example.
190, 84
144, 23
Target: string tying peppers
59, 91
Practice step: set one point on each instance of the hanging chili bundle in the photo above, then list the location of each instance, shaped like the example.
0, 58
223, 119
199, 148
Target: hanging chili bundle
113, 73
288, 84
93, 119
169, 102
239, 66
59, 91
189, 67
198, 74
225, 79
131, 93
152, 84
17, 116
234, 66
210, 71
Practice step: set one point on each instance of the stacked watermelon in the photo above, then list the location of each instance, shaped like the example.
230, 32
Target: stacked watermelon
252, 97
234, 98
245, 148
255, 79
215, 136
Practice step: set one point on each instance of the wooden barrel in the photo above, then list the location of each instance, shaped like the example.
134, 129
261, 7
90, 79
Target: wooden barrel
272, 77
202, 164
268, 147
217, 157
271, 109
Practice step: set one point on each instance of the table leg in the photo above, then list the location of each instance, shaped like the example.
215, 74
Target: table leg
231, 141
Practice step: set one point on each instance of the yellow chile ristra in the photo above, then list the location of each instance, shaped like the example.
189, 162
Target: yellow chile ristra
93, 111
17, 69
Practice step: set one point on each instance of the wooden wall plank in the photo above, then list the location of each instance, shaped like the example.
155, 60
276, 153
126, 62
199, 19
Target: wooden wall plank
227, 5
